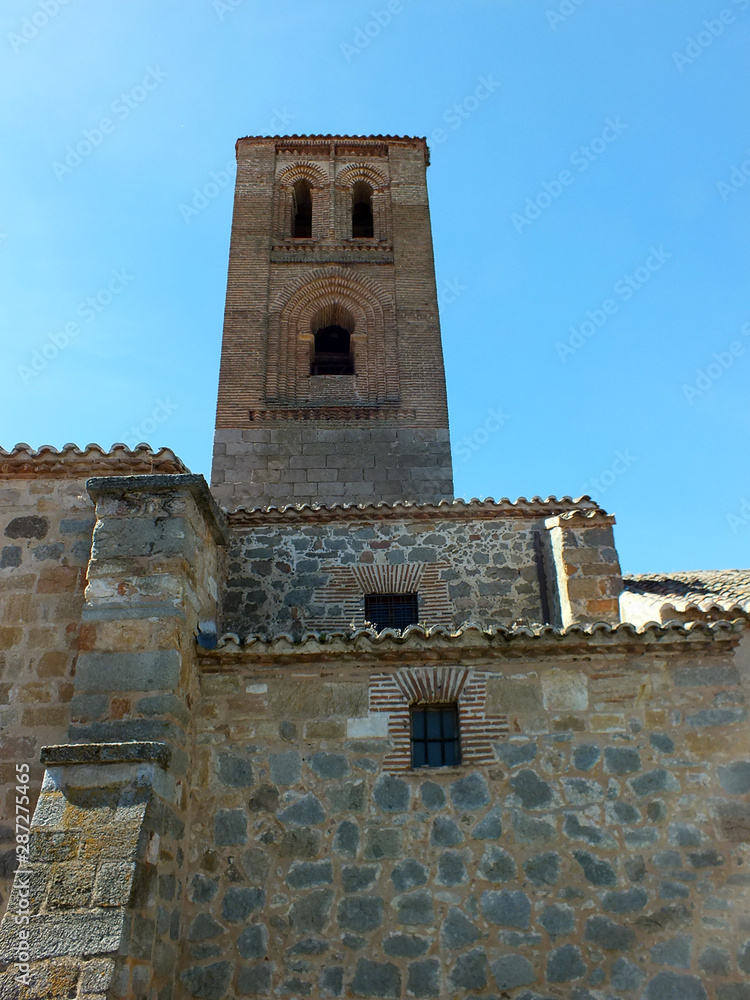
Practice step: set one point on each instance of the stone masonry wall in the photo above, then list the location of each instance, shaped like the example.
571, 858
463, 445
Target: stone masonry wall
45, 540
315, 575
327, 462
601, 850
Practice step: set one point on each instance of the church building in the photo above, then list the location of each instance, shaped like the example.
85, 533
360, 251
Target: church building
321, 729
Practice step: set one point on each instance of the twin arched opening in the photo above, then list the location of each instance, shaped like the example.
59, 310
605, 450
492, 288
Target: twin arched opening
362, 218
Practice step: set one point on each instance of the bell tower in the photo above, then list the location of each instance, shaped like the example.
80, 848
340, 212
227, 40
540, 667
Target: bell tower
332, 386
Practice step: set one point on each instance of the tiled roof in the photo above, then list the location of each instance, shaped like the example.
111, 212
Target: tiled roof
724, 590
455, 509
93, 460
474, 638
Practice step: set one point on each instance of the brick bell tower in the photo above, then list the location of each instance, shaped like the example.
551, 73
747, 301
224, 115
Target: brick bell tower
332, 386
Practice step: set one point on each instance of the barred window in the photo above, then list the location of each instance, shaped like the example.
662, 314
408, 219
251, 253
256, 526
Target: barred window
391, 610
434, 736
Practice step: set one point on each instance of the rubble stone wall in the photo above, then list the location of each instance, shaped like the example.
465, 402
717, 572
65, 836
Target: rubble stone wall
314, 576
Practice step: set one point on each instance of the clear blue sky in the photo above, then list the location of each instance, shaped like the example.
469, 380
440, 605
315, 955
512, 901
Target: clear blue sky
632, 233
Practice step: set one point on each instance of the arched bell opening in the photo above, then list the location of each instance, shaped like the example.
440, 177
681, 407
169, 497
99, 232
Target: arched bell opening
363, 226
332, 354
302, 210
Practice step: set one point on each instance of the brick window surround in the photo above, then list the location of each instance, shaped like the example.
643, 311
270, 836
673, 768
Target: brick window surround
295, 313
349, 176
396, 693
347, 586
317, 177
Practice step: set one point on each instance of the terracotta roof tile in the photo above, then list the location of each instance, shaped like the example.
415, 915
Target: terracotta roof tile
723, 590
71, 461
466, 509
472, 636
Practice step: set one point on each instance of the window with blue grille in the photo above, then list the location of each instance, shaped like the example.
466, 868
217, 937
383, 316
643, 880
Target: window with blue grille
391, 610
434, 736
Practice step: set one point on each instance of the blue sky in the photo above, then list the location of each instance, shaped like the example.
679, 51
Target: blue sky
591, 219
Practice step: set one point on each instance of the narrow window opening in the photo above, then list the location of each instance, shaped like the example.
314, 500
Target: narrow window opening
362, 223
434, 736
333, 352
392, 610
302, 210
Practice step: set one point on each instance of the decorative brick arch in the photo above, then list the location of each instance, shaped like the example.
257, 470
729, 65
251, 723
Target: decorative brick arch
381, 201
328, 291
319, 181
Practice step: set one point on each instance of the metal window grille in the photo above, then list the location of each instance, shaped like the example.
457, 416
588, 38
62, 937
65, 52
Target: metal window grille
391, 610
434, 736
